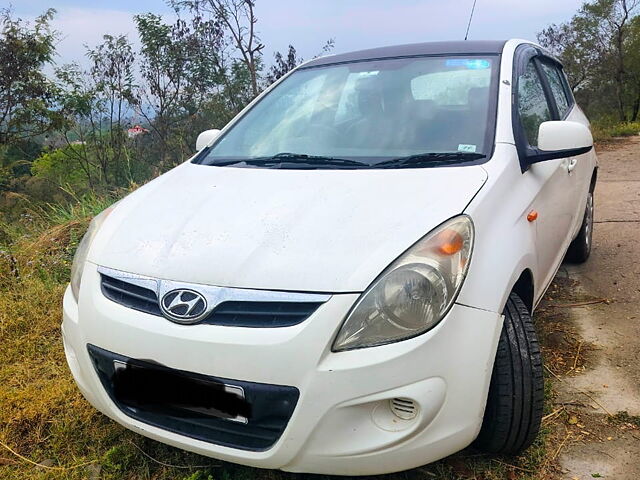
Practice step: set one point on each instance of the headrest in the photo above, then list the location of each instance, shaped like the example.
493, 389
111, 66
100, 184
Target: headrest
478, 97
368, 95
424, 109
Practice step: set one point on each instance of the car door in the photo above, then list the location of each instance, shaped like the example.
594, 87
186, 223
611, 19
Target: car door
578, 168
552, 189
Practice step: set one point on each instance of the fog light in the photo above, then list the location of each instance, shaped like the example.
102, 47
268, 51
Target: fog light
403, 408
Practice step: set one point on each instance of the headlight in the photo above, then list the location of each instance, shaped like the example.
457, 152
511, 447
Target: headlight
83, 249
415, 292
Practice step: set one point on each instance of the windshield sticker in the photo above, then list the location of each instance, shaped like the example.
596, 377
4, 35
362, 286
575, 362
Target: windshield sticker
471, 64
466, 148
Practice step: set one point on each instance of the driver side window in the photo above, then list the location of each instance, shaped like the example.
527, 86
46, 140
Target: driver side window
532, 103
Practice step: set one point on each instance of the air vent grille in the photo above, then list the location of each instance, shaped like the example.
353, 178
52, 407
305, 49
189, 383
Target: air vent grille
403, 408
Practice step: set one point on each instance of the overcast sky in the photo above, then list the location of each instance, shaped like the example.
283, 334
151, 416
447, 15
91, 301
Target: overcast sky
354, 24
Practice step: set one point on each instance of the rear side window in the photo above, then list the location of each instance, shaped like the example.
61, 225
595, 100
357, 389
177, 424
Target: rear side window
532, 103
557, 88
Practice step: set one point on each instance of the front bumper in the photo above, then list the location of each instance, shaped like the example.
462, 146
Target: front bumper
341, 423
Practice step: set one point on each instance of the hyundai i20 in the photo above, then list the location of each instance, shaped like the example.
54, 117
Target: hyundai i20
343, 279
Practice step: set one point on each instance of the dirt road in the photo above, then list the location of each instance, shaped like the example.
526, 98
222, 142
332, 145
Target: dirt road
604, 378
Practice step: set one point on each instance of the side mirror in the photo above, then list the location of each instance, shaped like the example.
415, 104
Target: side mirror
206, 137
561, 139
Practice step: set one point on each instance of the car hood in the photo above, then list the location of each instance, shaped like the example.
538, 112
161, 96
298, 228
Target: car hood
302, 230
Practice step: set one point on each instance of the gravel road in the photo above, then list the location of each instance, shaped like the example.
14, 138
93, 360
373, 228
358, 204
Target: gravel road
597, 446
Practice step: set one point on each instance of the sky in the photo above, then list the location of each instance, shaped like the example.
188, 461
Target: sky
353, 24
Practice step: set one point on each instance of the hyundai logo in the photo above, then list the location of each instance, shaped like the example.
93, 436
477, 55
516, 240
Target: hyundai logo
183, 306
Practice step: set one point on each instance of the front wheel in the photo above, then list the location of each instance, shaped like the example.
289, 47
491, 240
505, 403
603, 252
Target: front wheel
514, 406
580, 249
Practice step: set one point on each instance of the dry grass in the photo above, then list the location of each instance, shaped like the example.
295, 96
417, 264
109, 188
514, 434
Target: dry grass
44, 419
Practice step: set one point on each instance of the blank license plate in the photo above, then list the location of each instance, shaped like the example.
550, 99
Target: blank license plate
164, 389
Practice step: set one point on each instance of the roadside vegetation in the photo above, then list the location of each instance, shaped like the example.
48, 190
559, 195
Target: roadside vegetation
605, 132
73, 142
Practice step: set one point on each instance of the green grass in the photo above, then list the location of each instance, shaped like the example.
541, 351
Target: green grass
88, 205
604, 131
44, 419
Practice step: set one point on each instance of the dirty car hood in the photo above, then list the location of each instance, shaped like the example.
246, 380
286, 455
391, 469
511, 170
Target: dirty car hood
302, 230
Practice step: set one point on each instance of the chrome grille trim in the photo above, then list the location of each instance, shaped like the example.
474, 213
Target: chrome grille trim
214, 296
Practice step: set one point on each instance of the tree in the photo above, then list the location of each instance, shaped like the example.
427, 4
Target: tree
593, 48
239, 20
180, 71
79, 105
633, 65
283, 66
190, 74
27, 98
609, 20
112, 74
97, 104
60, 166
568, 42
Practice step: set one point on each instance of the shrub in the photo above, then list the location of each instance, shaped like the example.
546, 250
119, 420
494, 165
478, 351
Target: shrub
603, 131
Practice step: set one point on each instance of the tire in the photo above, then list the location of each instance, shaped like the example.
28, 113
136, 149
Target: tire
514, 405
580, 249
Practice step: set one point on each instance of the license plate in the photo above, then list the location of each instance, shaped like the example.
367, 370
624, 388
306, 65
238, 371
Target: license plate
157, 389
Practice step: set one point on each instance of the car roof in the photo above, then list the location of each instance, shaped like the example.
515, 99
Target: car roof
474, 47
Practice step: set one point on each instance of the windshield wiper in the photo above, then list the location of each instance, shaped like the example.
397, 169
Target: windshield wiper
296, 160
429, 158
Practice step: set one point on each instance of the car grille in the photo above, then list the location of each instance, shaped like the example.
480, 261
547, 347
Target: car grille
129, 295
256, 314
270, 406
261, 314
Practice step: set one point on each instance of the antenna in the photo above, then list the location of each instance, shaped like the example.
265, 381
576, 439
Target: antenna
473, 9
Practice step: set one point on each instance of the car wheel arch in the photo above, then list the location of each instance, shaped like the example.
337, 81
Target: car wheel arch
522, 283
594, 179
524, 288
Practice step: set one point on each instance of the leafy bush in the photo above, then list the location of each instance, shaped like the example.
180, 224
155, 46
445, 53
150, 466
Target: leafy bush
603, 131
61, 166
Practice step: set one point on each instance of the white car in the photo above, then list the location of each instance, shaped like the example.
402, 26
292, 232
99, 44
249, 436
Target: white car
342, 280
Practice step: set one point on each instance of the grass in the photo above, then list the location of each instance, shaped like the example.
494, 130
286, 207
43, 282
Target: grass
44, 419
85, 206
605, 131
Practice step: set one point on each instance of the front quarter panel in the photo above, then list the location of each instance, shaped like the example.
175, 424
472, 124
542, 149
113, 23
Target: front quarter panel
505, 240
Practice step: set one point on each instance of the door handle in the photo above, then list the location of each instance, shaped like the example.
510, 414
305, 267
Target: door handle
573, 161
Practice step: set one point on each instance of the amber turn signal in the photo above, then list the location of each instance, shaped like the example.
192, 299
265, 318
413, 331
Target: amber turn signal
450, 242
532, 216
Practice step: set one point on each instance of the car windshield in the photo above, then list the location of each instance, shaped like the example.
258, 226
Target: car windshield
361, 114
